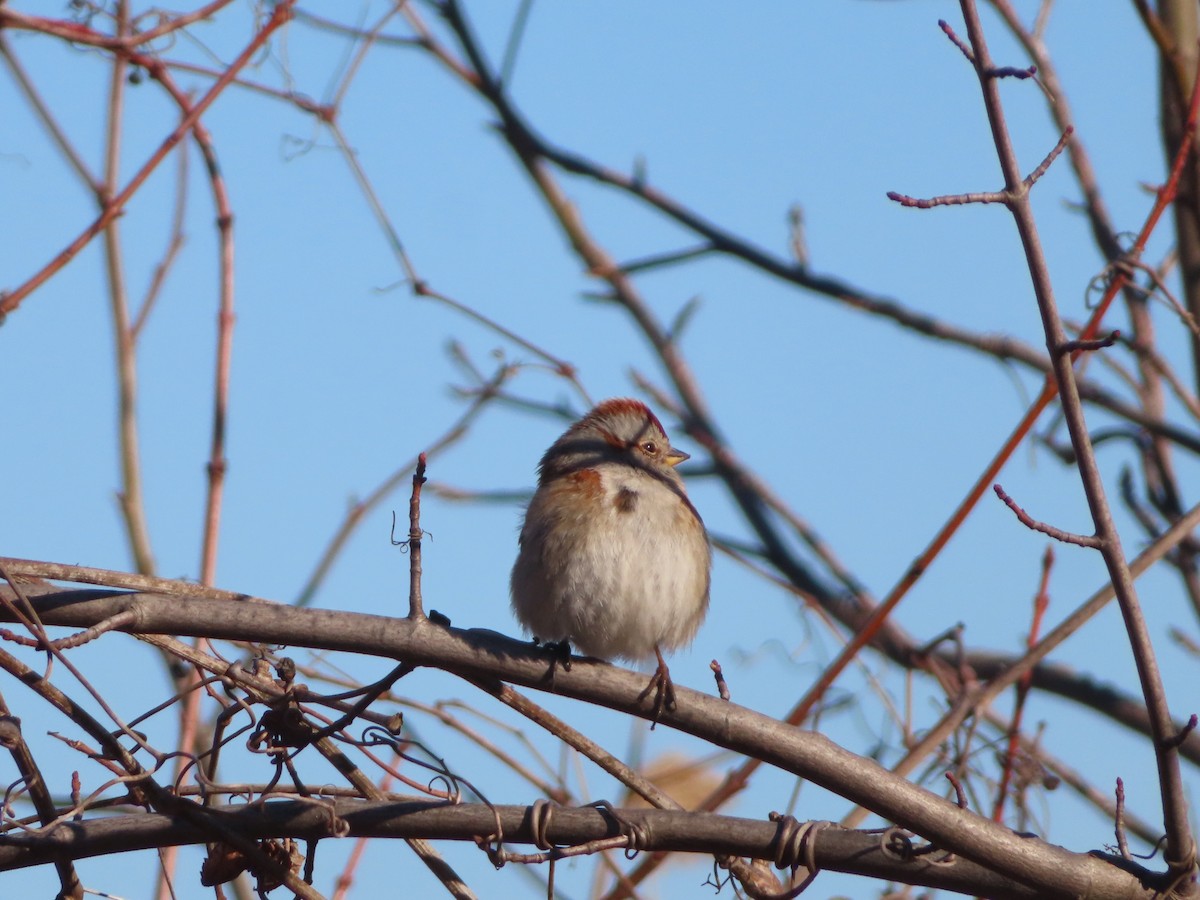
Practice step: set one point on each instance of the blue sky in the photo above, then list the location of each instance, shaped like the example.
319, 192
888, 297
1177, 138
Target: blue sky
340, 374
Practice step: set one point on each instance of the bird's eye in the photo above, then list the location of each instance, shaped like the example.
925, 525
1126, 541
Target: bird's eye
650, 448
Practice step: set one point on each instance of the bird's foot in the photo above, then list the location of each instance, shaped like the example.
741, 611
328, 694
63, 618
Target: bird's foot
560, 656
663, 688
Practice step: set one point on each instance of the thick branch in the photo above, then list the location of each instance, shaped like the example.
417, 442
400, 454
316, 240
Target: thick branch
479, 654
836, 849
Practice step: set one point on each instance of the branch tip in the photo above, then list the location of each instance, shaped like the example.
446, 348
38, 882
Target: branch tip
1178, 739
956, 40
1067, 537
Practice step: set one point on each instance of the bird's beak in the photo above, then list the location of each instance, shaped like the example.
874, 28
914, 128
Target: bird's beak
675, 457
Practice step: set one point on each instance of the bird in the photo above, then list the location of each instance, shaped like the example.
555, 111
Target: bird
613, 557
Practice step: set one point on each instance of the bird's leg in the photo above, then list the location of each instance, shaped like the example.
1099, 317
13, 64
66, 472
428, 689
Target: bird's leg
663, 687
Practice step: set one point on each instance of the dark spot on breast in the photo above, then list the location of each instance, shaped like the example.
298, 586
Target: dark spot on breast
626, 500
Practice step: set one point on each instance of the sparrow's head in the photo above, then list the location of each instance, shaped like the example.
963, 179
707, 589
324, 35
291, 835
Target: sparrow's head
620, 430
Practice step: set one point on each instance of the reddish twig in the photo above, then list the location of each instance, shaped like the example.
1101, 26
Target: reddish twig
113, 208
78, 33
1041, 603
959, 794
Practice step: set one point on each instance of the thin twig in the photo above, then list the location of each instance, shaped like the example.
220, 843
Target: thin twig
415, 608
12, 300
49, 122
359, 510
981, 695
217, 463
1041, 603
1181, 850
175, 242
12, 739
1067, 537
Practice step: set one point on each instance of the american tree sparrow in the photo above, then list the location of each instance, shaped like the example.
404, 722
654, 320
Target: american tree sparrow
613, 556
